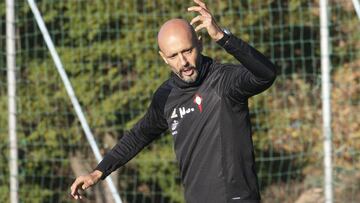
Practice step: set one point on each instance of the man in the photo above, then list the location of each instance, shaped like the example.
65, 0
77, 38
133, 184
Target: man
205, 106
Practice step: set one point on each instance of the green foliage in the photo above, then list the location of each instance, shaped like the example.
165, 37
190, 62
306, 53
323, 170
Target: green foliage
27, 193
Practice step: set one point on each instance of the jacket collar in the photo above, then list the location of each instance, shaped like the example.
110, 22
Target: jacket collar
203, 70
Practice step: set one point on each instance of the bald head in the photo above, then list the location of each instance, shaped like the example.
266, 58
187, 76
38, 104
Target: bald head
180, 48
175, 30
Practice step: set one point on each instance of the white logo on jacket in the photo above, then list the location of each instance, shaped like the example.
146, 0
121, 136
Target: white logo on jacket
182, 111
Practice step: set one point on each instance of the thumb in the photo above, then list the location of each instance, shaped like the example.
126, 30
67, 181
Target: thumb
87, 184
84, 186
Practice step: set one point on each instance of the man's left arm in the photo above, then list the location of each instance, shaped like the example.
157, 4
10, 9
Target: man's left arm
259, 73
256, 74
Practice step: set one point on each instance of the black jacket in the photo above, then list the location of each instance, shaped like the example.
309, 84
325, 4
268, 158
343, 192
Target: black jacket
210, 123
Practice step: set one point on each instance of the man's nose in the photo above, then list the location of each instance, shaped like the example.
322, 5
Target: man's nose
184, 62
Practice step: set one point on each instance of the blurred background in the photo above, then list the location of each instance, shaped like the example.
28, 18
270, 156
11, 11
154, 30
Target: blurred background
109, 51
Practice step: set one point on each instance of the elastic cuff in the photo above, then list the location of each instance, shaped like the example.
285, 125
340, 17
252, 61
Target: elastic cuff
103, 175
106, 166
223, 40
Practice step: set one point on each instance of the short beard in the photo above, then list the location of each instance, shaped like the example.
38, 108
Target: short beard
191, 79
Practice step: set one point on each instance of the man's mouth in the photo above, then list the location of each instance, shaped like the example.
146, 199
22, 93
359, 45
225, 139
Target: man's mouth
188, 71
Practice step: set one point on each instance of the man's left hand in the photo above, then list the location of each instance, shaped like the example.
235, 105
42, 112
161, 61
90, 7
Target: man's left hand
205, 20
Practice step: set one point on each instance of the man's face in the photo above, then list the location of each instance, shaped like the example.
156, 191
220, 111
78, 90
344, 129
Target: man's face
182, 54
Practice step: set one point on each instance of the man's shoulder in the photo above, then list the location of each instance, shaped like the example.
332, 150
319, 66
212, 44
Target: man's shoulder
218, 68
163, 89
162, 93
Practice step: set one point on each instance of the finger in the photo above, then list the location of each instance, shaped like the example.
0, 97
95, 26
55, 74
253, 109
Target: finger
199, 9
199, 27
75, 186
79, 194
79, 197
75, 194
194, 8
87, 184
196, 19
200, 3
73, 189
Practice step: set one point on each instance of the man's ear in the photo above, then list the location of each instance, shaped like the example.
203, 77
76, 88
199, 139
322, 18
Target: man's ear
163, 57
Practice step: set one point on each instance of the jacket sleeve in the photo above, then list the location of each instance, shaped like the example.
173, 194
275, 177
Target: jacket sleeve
149, 127
255, 74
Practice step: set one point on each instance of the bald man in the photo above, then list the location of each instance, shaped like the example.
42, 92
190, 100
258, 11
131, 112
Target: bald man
204, 104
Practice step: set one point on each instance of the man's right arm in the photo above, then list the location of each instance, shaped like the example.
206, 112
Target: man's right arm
146, 130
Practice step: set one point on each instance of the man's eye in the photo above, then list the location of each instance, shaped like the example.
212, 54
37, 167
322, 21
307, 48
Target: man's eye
188, 51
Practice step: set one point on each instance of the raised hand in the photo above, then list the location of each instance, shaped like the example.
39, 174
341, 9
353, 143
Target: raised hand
205, 20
